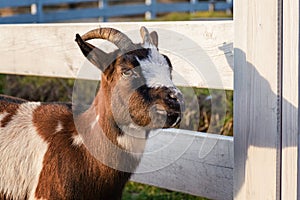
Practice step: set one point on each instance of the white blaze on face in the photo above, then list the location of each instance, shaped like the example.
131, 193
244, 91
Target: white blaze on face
156, 70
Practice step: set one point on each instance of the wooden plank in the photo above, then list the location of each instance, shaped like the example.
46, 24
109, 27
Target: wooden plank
201, 6
112, 11
63, 15
201, 52
183, 7
190, 162
6, 4
53, 2
122, 10
21, 18
255, 100
222, 6
153, 9
290, 99
174, 7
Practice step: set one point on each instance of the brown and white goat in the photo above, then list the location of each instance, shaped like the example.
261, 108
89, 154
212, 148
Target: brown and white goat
49, 152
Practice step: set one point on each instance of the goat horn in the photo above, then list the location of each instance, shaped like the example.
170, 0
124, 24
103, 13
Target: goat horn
96, 56
116, 37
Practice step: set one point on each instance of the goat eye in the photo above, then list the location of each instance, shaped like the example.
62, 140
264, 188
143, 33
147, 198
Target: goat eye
127, 73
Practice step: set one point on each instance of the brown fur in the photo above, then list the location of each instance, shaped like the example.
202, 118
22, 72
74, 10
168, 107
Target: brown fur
96, 167
9, 108
71, 172
6, 197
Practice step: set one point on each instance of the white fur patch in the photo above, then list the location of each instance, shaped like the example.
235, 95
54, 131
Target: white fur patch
2, 116
148, 45
133, 140
77, 140
22, 152
156, 70
59, 127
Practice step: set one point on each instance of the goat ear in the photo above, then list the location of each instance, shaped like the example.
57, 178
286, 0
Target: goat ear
154, 38
96, 56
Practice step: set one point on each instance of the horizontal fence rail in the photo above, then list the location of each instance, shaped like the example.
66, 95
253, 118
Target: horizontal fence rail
197, 163
103, 9
201, 53
202, 56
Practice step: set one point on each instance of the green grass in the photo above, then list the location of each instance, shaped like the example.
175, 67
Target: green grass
209, 14
138, 191
175, 16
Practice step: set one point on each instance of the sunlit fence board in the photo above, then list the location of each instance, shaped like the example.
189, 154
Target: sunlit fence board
256, 100
201, 52
196, 163
266, 113
290, 101
5, 4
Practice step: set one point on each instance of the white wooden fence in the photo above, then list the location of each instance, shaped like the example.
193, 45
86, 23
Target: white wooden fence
200, 164
266, 93
104, 9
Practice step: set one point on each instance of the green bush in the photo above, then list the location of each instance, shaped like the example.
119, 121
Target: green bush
57, 89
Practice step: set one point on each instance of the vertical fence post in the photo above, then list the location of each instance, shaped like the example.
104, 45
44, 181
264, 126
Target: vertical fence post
290, 97
40, 14
33, 9
211, 6
192, 5
257, 100
152, 13
103, 5
229, 10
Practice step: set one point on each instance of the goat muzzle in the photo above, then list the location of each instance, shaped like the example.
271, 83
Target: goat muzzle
172, 107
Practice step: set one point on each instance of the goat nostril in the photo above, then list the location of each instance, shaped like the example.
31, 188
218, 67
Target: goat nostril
172, 99
173, 96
